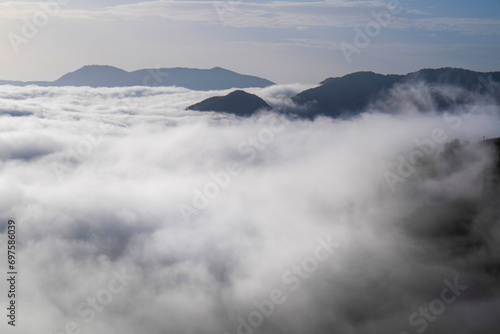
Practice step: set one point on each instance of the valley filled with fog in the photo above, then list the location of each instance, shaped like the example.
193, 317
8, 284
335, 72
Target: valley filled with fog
136, 215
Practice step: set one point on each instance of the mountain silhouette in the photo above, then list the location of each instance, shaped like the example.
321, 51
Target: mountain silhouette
350, 94
95, 76
239, 103
196, 79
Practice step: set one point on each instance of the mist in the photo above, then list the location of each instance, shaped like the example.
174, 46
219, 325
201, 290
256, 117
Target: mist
137, 216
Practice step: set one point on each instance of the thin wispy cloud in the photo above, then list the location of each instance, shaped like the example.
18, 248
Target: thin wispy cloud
274, 15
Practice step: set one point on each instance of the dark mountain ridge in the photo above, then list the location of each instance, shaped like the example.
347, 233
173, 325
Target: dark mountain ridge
196, 79
239, 103
352, 93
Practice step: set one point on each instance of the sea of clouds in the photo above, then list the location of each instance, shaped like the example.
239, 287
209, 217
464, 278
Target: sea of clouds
136, 216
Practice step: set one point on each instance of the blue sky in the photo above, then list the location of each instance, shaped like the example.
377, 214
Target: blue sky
287, 41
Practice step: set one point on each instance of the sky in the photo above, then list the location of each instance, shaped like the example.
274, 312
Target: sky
286, 41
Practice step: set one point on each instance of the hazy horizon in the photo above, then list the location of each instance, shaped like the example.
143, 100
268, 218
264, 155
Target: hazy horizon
251, 74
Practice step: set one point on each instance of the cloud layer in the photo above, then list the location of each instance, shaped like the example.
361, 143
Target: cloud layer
95, 179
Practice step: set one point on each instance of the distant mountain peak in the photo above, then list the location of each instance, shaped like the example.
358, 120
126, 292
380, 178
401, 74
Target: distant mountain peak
96, 68
191, 78
93, 75
100, 66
